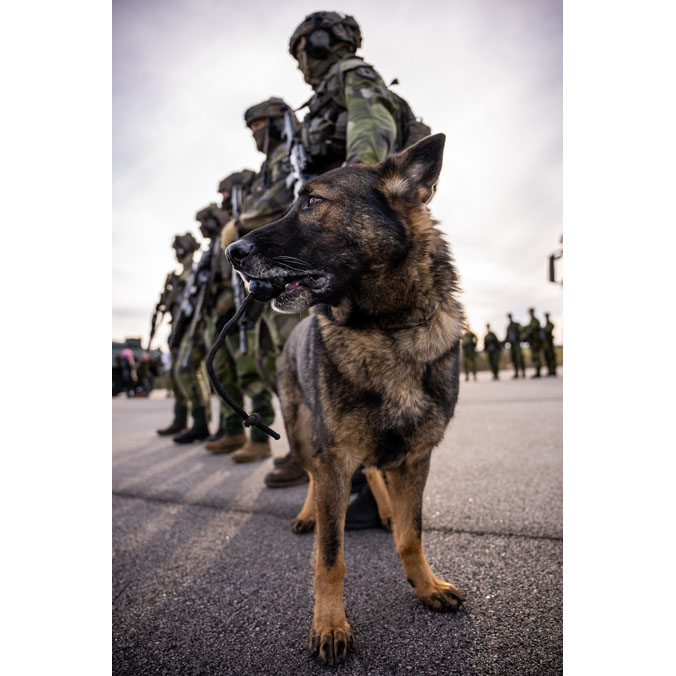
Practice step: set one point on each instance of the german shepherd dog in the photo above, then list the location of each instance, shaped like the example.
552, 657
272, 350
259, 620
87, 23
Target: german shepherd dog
372, 377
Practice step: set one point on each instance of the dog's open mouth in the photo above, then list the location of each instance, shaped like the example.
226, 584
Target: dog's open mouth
284, 288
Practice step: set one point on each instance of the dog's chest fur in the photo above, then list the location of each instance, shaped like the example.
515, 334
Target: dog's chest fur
388, 393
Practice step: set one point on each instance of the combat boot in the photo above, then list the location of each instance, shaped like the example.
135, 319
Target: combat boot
282, 459
362, 512
199, 429
288, 474
180, 421
252, 451
226, 444
220, 432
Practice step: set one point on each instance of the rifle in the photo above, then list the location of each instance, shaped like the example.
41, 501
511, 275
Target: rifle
159, 308
237, 281
203, 277
297, 155
184, 309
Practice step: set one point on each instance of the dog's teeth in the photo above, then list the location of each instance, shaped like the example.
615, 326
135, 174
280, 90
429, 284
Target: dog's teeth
288, 285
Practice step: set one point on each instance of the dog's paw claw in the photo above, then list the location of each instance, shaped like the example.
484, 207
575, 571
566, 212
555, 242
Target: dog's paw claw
303, 526
444, 598
331, 646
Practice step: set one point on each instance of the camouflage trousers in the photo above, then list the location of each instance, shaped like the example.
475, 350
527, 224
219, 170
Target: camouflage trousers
517, 359
190, 371
272, 331
469, 363
535, 349
494, 361
181, 399
244, 378
550, 358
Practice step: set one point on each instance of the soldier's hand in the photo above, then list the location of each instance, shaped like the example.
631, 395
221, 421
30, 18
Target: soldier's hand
229, 234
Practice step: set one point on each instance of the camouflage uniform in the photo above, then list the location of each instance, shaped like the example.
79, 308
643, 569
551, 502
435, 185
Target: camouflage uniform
170, 300
492, 349
350, 118
513, 337
531, 333
469, 342
264, 205
548, 349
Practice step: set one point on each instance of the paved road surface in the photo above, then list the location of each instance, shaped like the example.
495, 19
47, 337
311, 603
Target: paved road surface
209, 579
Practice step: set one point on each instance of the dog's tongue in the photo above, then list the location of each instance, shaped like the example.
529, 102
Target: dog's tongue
266, 289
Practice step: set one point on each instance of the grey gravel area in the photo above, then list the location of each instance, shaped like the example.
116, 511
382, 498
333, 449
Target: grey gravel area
209, 579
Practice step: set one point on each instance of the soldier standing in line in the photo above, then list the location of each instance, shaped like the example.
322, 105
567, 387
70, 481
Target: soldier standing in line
469, 342
492, 349
190, 367
230, 435
268, 198
531, 333
513, 338
170, 299
352, 118
548, 342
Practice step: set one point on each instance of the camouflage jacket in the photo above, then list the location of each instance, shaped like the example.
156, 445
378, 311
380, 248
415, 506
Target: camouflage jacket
548, 333
531, 332
469, 341
176, 285
513, 336
263, 205
491, 342
350, 118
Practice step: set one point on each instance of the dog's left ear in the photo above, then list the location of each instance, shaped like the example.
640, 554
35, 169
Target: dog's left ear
413, 174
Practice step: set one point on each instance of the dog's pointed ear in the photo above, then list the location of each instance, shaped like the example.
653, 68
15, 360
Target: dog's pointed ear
412, 175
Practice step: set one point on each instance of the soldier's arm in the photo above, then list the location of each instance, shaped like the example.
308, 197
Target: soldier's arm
272, 203
371, 128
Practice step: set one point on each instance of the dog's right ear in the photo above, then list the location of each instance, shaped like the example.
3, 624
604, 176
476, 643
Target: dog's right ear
412, 175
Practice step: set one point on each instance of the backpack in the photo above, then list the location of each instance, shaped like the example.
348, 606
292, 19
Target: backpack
410, 129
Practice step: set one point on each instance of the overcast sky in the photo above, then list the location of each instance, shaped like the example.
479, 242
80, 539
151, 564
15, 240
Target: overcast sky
487, 73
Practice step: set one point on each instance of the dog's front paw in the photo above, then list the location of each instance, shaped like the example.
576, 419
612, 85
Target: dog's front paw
330, 645
387, 523
442, 597
303, 525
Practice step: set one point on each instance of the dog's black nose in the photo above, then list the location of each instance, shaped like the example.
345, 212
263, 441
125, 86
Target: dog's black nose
238, 251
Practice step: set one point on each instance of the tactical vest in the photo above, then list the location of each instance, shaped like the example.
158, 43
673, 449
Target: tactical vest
324, 129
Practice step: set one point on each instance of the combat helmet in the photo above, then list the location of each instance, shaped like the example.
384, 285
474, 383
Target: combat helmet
243, 178
273, 110
184, 245
322, 30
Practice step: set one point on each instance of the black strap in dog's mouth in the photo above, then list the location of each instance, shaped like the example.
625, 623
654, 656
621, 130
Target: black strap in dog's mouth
249, 420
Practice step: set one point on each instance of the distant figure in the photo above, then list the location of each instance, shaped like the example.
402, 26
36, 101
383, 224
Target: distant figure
548, 341
492, 349
532, 335
469, 341
513, 338
128, 367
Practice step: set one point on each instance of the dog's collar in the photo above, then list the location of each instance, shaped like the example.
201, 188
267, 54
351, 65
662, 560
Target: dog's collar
413, 325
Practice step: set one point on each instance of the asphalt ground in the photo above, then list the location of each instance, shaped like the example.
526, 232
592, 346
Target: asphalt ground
209, 579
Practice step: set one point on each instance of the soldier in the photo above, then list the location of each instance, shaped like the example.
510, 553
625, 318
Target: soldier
190, 368
531, 333
469, 342
239, 373
268, 199
492, 349
352, 118
218, 307
170, 299
548, 341
513, 338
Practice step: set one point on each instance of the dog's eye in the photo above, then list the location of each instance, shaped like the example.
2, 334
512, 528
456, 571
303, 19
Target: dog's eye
312, 201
